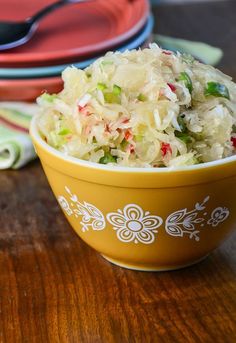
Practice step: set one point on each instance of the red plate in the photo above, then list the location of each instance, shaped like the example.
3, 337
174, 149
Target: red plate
74, 31
28, 89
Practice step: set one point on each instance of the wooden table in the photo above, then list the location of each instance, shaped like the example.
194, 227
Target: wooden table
54, 288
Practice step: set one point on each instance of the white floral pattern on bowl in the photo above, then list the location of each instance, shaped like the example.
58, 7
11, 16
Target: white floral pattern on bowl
218, 215
91, 215
133, 224
65, 205
184, 222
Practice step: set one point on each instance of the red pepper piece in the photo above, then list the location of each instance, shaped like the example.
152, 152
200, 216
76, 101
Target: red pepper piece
83, 110
172, 87
128, 135
233, 140
125, 121
165, 149
107, 129
166, 52
131, 148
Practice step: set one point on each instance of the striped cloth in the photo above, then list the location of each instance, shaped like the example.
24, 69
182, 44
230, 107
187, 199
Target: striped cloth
16, 148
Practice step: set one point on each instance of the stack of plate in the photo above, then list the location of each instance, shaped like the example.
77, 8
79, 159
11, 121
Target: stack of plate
73, 35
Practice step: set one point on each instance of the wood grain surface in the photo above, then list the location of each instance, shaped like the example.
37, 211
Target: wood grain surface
54, 288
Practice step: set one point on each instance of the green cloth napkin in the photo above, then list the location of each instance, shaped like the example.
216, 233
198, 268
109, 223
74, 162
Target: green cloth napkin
16, 148
201, 51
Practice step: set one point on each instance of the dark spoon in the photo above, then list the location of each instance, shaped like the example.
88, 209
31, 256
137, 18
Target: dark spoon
13, 34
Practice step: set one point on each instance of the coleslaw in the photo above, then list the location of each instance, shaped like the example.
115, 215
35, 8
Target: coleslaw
142, 108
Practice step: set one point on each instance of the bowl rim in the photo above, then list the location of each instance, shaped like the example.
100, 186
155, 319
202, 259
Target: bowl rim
34, 132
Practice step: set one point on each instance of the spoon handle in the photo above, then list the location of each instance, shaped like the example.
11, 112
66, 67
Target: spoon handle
46, 10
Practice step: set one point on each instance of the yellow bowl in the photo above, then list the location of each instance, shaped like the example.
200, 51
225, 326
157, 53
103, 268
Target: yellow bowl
144, 218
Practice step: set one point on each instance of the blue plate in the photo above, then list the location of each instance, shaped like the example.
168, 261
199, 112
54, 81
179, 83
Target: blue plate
10, 73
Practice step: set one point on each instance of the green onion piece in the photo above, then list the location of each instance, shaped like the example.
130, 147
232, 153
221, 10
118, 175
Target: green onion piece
216, 89
48, 97
101, 86
142, 97
116, 90
196, 160
114, 96
108, 158
189, 59
138, 138
183, 136
181, 123
188, 82
64, 132
124, 143
55, 140
105, 63
111, 98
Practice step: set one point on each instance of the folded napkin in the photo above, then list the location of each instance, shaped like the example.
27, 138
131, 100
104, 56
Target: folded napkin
201, 51
16, 147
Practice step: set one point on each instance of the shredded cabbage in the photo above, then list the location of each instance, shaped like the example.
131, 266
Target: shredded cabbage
142, 108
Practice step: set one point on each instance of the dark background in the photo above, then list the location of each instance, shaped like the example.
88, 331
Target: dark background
210, 22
